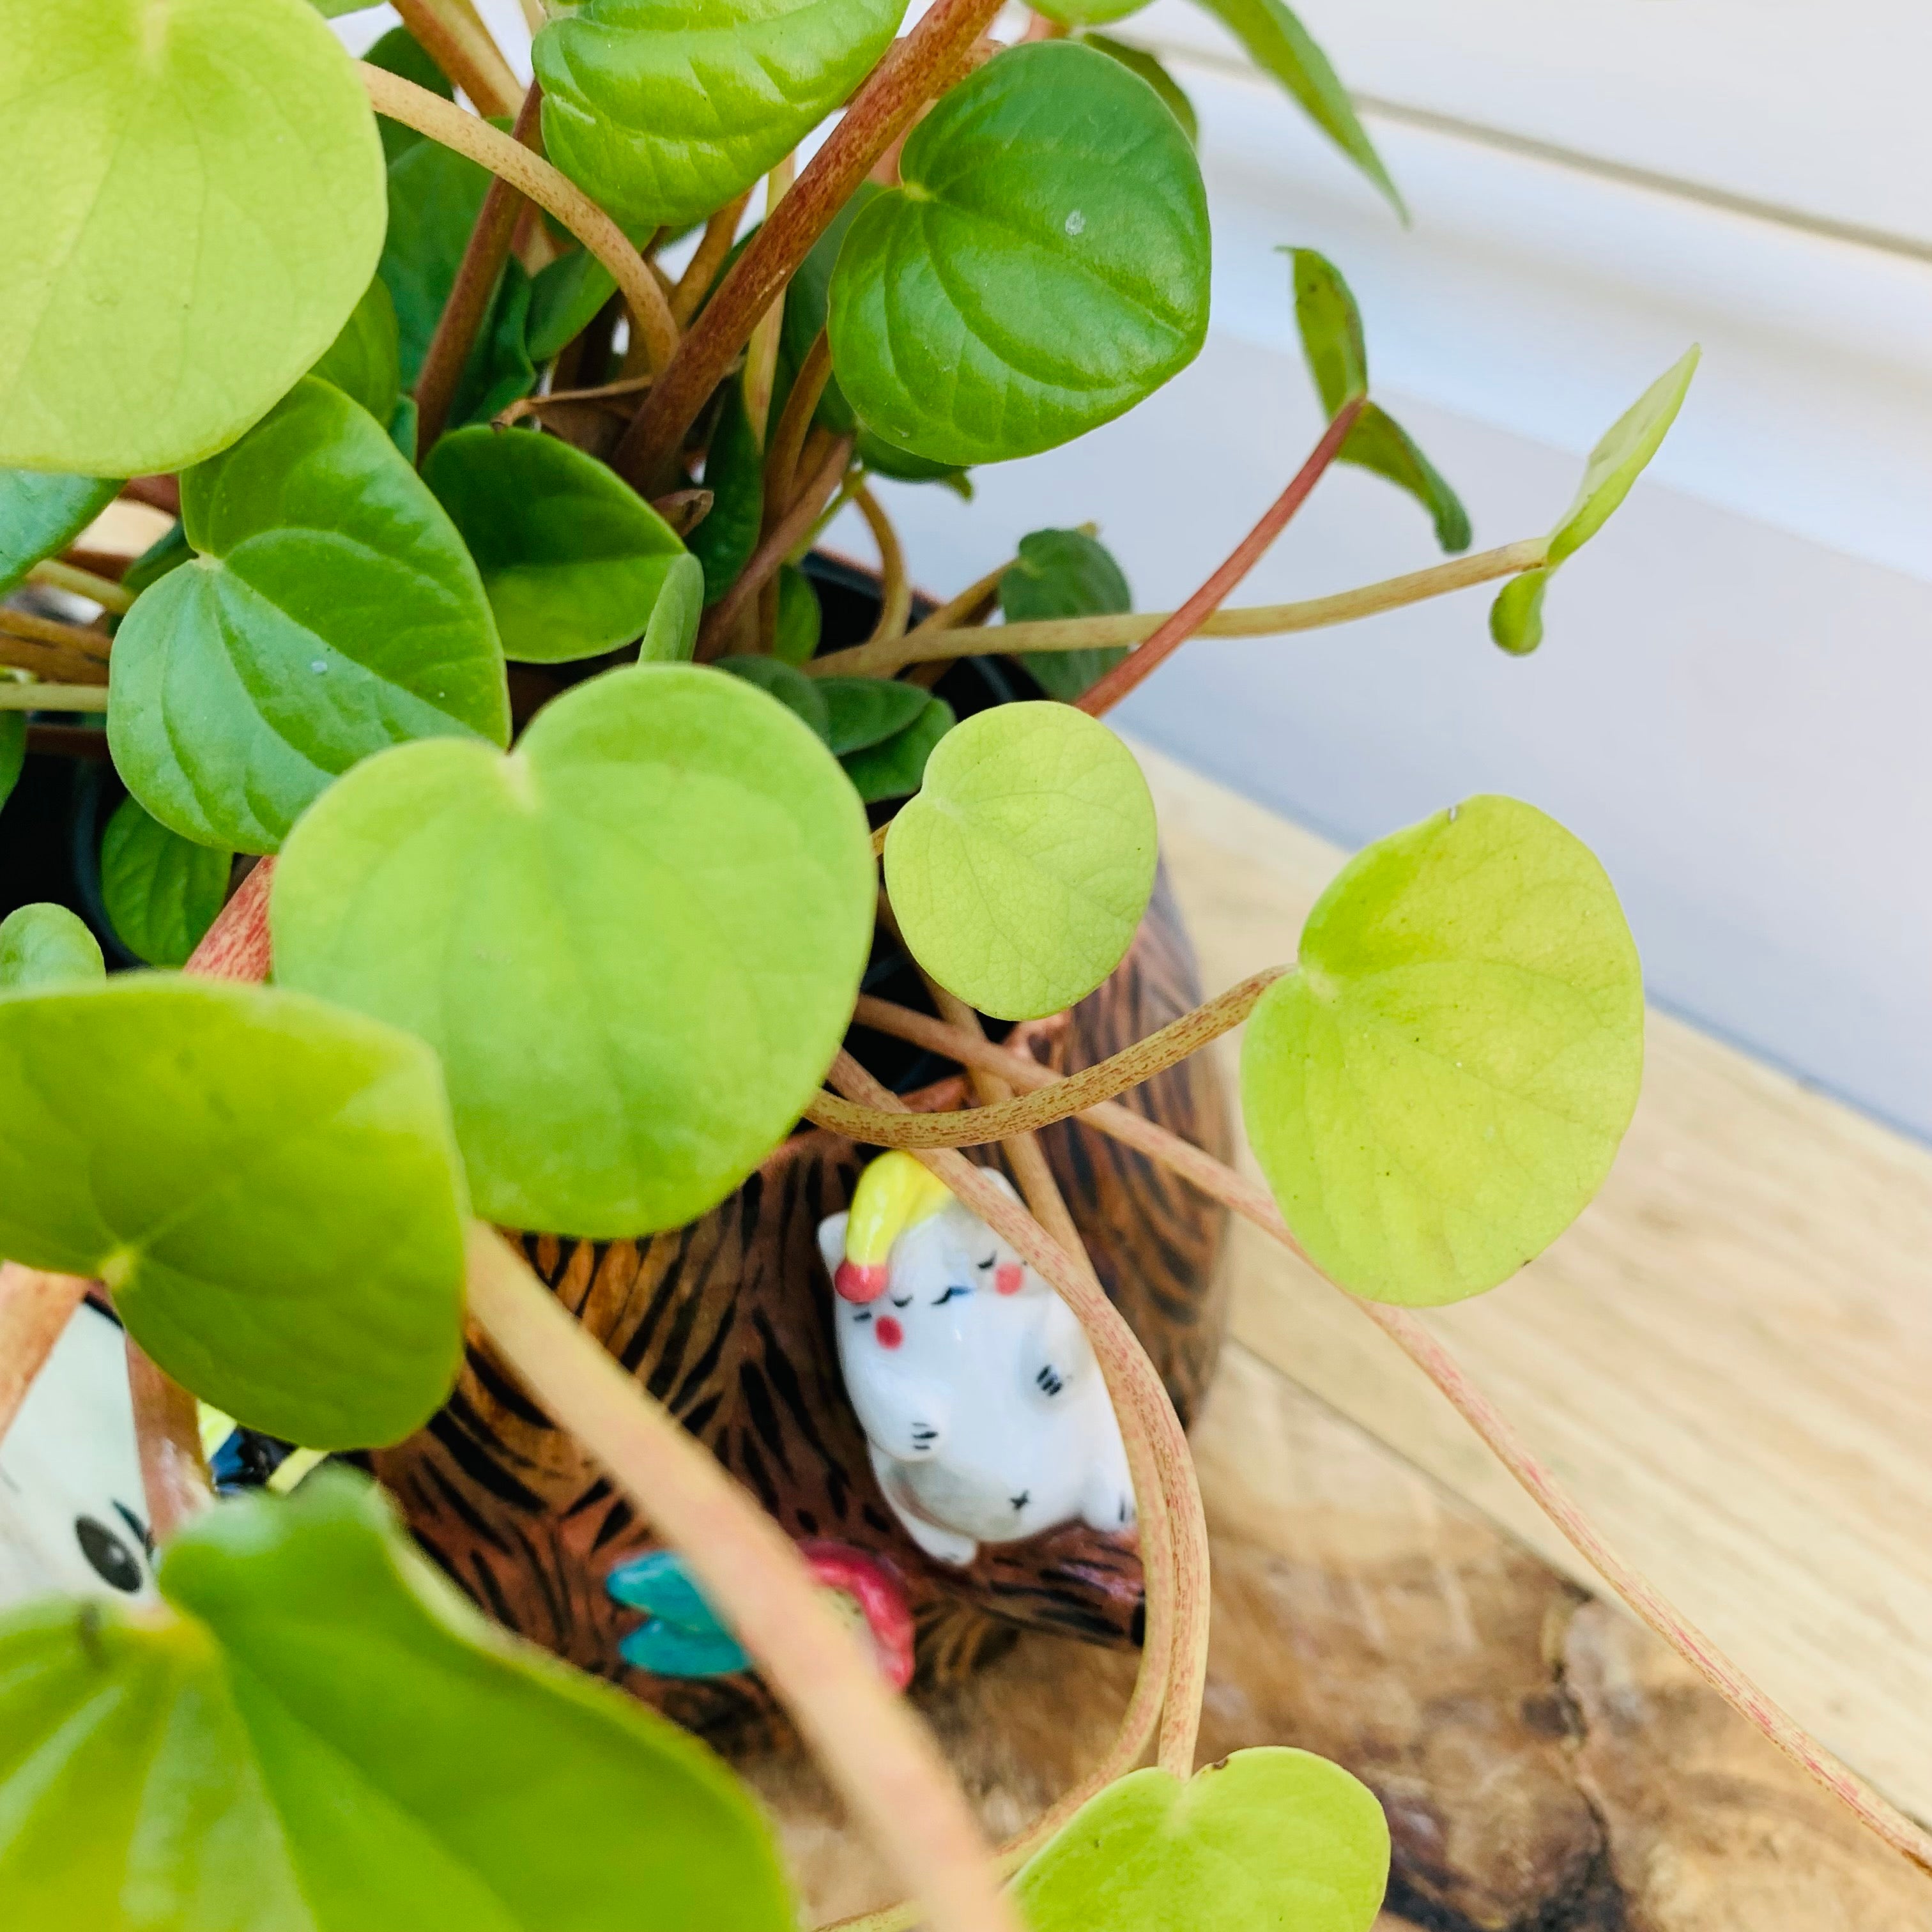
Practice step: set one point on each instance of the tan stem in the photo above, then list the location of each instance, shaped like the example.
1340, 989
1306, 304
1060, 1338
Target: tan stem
883, 1762
443, 120
167, 1432
788, 440
1254, 1205
895, 590
457, 40
35, 1307
50, 697
69, 653
78, 583
701, 271
761, 353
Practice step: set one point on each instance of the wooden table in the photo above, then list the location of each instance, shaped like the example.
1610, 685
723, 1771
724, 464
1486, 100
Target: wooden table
1729, 1359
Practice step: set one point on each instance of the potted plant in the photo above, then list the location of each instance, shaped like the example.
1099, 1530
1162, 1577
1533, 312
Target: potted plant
574, 839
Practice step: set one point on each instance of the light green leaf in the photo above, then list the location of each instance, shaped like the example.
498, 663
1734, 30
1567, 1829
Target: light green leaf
863, 711
799, 694
268, 1184
894, 767
400, 52
1331, 339
40, 515
565, 298
13, 751
1064, 574
162, 891
1090, 13
734, 473
332, 610
1020, 872
572, 557
662, 110
1515, 618
1270, 1839
671, 635
194, 205
43, 946
320, 1735
1278, 44
1138, 60
1437, 1093
799, 618
362, 362
635, 942
1043, 269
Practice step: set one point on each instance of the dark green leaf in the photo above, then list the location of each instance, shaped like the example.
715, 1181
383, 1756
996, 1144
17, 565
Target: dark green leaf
799, 617
885, 459
168, 551
268, 1184
12, 750
800, 694
1278, 43
1043, 268
734, 473
399, 51
1138, 60
322, 1735
43, 946
894, 768
333, 611
565, 298
403, 426
865, 711
807, 299
162, 891
572, 557
1064, 574
41, 514
1378, 442
362, 362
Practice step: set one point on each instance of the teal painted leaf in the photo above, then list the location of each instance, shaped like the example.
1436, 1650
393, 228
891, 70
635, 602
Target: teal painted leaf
333, 611
1515, 618
799, 618
1278, 44
319, 1734
41, 513
1436, 1092
1064, 574
1138, 60
162, 891
635, 942
399, 51
43, 946
362, 360
894, 767
1331, 339
682, 1636
572, 558
268, 1184
194, 205
734, 473
864, 711
662, 110
565, 298
800, 695
1043, 269
1020, 872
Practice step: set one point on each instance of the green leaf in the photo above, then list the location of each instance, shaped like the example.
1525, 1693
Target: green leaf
162, 891
800, 620
1064, 574
734, 473
1278, 44
13, 751
564, 299
268, 1184
193, 206
572, 557
662, 110
403, 428
41, 515
168, 552
333, 611
1515, 618
1138, 60
1275, 1838
1436, 1093
671, 635
808, 300
863, 711
321, 1736
1331, 339
1091, 12
43, 946
400, 52
799, 694
1020, 872
885, 459
893, 768
362, 362
1043, 268
635, 942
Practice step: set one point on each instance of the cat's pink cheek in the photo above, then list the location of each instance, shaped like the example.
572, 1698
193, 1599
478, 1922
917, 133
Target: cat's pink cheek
889, 1332
1007, 1278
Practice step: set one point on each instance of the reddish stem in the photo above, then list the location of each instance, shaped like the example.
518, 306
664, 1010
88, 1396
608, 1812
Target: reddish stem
1131, 671
35, 1308
167, 1432
236, 946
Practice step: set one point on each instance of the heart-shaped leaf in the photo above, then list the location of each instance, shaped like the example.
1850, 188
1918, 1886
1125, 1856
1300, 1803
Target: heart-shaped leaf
362, 360
334, 611
1020, 872
661, 110
1091, 12
1436, 1093
269, 1186
565, 298
1515, 618
1270, 1840
573, 559
894, 767
162, 891
43, 946
1138, 60
671, 635
1331, 339
863, 711
799, 695
194, 205
40, 515
734, 473
1064, 574
320, 1735
800, 620
1043, 267
635, 942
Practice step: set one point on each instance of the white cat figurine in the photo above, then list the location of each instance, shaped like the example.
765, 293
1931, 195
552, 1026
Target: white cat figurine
983, 1408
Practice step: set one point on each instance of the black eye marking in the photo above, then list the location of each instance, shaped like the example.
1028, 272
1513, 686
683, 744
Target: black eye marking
898, 1303
989, 1261
111, 1560
941, 1301
864, 1315
135, 1523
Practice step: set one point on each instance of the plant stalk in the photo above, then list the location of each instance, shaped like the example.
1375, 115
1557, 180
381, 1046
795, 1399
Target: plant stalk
457, 40
788, 440
38, 697
761, 355
236, 946
68, 653
167, 1433
1101, 697
894, 588
78, 583
35, 1307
